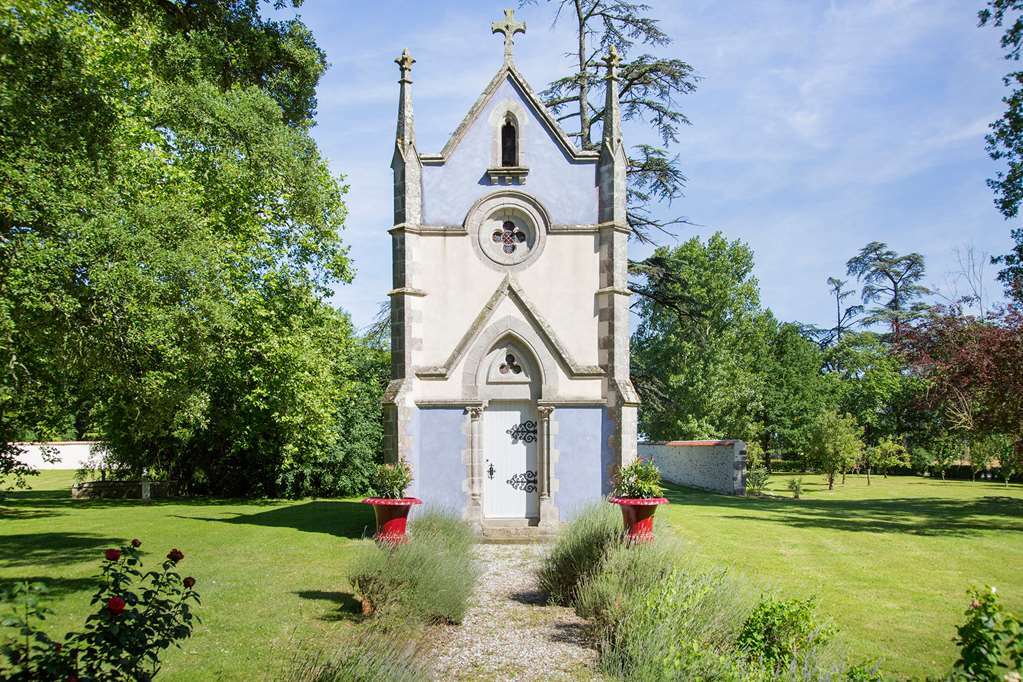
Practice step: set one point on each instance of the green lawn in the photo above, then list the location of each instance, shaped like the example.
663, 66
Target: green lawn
890, 562
271, 574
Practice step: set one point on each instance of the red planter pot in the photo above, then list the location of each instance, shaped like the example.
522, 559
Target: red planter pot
392, 517
638, 514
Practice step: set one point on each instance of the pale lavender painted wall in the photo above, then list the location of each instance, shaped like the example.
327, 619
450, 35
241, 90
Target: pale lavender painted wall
413, 455
584, 457
565, 187
441, 473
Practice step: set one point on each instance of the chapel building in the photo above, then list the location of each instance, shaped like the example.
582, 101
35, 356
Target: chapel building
510, 395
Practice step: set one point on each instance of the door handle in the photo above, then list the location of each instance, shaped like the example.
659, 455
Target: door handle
491, 470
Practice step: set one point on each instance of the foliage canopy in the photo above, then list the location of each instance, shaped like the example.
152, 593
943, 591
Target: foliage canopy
169, 233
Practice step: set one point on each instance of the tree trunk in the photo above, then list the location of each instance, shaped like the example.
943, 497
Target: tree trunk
843, 476
584, 75
896, 306
868, 475
838, 315
831, 480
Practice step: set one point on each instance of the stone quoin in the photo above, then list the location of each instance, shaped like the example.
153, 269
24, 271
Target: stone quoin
510, 395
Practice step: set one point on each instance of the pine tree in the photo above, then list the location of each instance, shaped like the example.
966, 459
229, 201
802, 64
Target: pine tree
892, 281
650, 88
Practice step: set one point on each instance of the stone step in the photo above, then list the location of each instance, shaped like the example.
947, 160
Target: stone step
515, 531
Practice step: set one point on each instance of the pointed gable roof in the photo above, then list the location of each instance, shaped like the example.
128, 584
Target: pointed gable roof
508, 71
510, 288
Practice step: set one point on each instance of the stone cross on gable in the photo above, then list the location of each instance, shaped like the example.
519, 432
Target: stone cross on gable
405, 62
509, 27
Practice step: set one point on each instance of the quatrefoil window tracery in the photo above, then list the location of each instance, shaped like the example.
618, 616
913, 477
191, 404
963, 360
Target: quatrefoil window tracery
510, 365
510, 236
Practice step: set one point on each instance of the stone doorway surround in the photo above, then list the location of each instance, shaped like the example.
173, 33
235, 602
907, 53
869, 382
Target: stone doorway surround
548, 521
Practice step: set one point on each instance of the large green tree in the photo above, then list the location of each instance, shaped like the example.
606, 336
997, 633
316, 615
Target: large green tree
795, 389
1005, 141
710, 362
695, 361
168, 235
874, 387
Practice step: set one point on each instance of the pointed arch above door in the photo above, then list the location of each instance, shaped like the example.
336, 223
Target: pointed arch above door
509, 367
531, 326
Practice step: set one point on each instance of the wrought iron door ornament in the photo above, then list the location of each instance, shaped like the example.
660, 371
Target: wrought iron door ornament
525, 432
525, 482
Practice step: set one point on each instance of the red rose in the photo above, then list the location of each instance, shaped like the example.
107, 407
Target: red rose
136, 543
115, 605
112, 554
189, 582
175, 555
57, 647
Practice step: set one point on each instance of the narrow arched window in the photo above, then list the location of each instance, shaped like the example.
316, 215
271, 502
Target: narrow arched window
509, 144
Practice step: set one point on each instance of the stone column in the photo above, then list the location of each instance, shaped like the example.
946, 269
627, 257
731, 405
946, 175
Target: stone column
548, 512
474, 511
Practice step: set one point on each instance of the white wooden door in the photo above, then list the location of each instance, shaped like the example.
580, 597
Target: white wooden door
509, 461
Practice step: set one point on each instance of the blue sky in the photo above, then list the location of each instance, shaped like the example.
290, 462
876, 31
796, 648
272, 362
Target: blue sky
818, 126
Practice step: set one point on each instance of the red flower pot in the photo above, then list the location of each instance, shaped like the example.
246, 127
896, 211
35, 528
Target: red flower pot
638, 514
392, 517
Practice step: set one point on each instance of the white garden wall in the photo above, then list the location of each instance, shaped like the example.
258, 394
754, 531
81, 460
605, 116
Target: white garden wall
718, 465
73, 454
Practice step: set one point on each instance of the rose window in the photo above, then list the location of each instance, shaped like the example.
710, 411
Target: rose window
510, 236
510, 365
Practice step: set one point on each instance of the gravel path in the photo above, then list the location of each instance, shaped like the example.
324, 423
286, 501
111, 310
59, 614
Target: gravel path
509, 632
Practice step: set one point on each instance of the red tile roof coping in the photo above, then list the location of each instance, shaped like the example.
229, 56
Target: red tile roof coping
698, 443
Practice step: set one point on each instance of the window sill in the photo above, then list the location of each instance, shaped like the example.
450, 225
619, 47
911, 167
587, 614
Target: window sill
507, 175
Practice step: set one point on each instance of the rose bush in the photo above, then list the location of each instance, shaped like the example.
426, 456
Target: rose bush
138, 615
990, 641
115, 605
